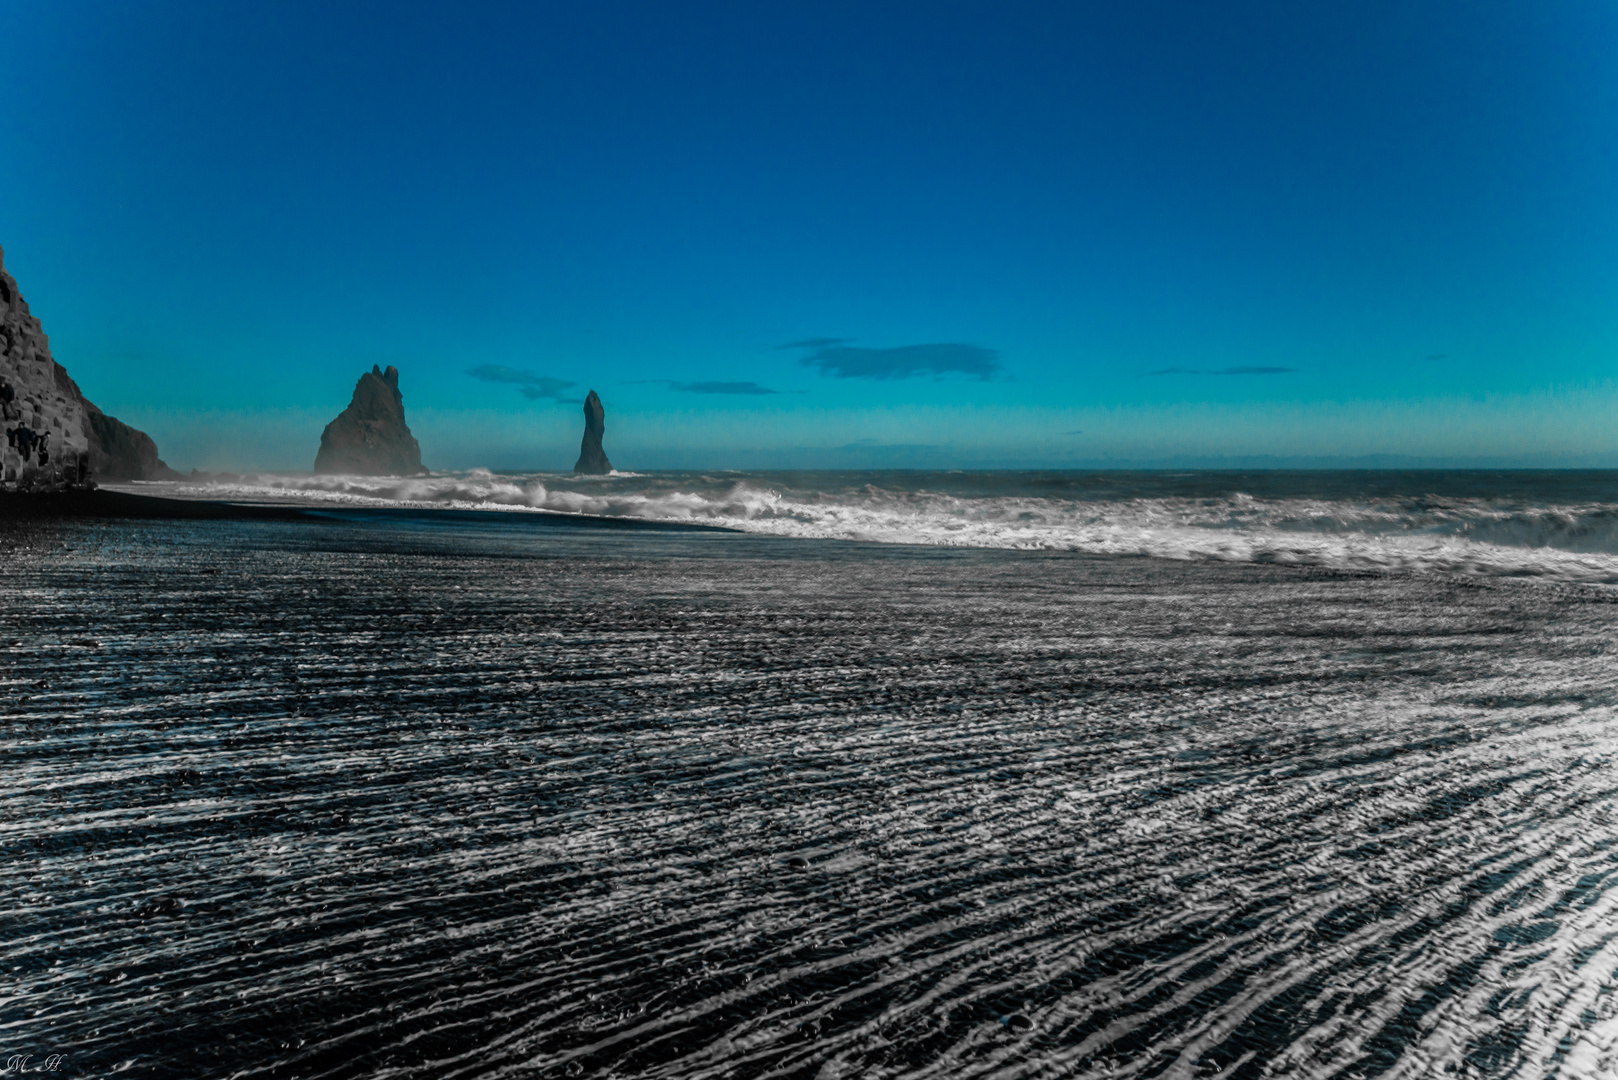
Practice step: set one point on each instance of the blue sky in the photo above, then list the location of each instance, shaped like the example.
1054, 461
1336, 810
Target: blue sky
828, 234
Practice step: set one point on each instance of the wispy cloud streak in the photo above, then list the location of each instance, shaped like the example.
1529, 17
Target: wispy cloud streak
1242, 370
531, 386
815, 343
833, 357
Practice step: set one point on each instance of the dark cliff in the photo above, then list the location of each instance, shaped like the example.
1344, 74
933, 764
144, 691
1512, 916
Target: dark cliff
370, 437
54, 436
592, 459
117, 451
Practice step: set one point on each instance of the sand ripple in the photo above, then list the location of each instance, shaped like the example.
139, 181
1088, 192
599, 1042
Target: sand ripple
382, 800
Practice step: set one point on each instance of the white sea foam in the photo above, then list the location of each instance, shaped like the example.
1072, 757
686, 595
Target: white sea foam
1576, 542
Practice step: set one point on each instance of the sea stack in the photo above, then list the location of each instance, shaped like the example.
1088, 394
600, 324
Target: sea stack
592, 459
370, 437
54, 437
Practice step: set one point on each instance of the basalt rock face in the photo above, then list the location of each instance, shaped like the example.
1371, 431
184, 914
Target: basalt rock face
117, 451
592, 459
370, 437
54, 437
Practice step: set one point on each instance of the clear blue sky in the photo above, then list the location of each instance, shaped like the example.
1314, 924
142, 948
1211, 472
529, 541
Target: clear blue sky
942, 233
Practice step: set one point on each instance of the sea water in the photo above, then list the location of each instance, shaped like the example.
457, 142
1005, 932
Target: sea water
919, 775
1561, 525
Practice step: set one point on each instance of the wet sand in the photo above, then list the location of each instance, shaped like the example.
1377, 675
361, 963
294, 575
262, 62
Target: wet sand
373, 794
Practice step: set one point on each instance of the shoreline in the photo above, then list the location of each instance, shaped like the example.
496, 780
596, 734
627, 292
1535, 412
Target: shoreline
121, 505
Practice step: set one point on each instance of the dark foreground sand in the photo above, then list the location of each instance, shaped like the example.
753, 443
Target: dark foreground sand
295, 793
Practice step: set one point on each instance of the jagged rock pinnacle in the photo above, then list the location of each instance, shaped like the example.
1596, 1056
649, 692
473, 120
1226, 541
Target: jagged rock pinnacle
370, 437
592, 459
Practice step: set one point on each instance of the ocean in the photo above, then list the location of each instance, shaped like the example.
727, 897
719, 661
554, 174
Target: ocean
875, 774
1548, 524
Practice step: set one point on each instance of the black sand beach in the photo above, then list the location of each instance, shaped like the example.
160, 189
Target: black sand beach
384, 794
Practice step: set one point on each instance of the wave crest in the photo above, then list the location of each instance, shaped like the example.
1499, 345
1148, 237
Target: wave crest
1572, 542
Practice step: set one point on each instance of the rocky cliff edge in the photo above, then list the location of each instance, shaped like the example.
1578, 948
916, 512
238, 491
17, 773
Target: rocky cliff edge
54, 436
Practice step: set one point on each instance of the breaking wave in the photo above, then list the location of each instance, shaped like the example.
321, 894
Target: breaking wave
1557, 526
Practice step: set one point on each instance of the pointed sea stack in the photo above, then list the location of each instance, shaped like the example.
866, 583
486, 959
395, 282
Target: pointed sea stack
370, 437
592, 459
54, 437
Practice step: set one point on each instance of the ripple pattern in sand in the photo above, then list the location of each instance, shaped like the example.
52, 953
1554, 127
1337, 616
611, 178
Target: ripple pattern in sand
358, 799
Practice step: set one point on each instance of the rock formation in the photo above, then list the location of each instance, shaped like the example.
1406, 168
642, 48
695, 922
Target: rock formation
592, 459
54, 437
370, 437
